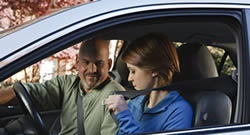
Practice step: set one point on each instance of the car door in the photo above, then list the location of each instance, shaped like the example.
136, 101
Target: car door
125, 24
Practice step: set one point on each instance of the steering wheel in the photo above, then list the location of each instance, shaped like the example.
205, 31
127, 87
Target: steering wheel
25, 99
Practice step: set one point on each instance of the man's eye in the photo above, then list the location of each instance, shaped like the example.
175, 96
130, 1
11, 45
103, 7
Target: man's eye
85, 62
99, 63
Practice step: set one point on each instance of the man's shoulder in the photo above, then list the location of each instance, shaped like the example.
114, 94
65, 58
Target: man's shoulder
67, 80
111, 86
70, 77
114, 85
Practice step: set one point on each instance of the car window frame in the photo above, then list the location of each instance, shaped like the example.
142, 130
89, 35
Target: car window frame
244, 65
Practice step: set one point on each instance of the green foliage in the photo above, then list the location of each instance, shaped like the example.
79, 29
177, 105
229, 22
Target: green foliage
217, 54
5, 84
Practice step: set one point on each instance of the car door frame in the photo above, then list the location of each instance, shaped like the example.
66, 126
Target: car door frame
74, 37
244, 66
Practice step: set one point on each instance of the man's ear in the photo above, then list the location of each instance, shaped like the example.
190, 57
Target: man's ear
77, 63
154, 74
109, 63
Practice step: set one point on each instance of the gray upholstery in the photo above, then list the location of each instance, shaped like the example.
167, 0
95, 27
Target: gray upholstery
210, 107
120, 72
196, 62
122, 69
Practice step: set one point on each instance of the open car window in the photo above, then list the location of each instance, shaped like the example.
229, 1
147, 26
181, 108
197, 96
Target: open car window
60, 63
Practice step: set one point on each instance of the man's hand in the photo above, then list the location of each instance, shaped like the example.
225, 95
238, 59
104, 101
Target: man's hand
7, 95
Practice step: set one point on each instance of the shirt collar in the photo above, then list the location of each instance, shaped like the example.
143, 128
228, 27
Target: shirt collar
163, 104
100, 86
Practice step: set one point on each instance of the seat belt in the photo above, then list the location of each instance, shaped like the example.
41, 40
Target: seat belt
80, 124
225, 83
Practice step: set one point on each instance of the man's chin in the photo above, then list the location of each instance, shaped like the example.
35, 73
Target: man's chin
91, 85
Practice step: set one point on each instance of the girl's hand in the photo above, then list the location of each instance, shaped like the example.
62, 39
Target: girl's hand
116, 103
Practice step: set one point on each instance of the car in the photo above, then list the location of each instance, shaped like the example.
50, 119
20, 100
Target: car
218, 93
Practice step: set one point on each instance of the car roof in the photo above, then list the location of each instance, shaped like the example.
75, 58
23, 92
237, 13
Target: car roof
45, 27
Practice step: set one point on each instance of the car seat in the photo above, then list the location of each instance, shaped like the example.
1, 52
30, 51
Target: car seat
210, 107
120, 71
196, 62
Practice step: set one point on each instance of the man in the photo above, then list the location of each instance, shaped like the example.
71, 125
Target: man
92, 83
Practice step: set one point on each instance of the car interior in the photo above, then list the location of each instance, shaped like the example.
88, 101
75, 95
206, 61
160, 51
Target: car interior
195, 34
211, 107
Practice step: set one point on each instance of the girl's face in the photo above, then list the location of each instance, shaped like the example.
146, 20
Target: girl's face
140, 78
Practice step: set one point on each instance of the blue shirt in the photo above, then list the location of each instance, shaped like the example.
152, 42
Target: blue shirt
173, 112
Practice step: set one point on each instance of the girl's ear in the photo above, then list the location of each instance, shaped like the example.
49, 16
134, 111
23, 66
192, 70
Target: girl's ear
154, 74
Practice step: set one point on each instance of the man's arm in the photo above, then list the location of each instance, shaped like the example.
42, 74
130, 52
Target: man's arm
7, 96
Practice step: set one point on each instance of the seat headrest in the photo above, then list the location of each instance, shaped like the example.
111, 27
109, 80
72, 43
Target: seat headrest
196, 62
122, 69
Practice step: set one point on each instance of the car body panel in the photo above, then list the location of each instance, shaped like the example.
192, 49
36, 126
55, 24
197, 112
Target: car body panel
232, 130
46, 30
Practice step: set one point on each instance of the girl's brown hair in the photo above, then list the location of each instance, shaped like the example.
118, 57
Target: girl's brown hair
156, 53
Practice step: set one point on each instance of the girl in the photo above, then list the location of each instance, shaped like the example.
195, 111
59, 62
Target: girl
152, 61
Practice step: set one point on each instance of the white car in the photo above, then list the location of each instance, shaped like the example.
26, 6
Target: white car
221, 107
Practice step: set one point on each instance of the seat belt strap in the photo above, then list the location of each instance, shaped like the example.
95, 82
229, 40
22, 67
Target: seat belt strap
80, 118
80, 124
225, 83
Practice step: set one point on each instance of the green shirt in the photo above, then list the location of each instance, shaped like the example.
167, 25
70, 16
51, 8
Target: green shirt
61, 93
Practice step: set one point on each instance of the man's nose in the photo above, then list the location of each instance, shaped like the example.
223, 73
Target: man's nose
92, 68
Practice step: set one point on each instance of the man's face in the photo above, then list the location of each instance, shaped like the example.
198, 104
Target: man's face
94, 65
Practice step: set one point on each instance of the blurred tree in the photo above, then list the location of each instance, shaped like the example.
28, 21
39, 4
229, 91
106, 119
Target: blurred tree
14, 13
228, 66
17, 12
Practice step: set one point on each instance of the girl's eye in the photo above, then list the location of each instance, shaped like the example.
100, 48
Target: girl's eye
132, 71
